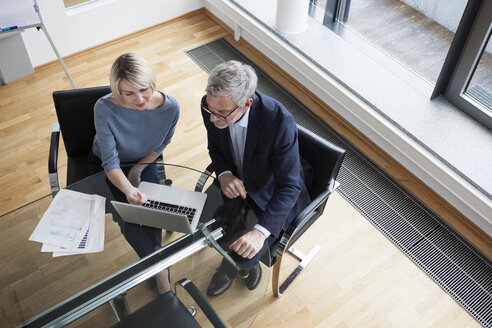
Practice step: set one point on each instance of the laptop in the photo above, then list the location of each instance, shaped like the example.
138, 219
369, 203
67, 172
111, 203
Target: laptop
167, 208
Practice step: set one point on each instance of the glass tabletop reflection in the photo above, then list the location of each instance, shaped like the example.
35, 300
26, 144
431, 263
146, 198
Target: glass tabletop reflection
36, 285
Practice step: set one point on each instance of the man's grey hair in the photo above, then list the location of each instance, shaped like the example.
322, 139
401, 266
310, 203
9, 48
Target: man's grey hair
232, 79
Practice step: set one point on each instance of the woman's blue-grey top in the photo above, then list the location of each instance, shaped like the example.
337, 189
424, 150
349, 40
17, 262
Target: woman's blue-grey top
126, 135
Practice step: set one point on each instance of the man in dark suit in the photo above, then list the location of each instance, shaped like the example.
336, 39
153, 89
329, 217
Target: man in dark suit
252, 141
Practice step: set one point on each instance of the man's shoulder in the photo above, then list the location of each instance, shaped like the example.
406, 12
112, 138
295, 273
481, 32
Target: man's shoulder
267, 101
271, 108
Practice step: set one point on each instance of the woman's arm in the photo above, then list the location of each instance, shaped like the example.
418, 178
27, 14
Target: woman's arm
133, 195
136, 170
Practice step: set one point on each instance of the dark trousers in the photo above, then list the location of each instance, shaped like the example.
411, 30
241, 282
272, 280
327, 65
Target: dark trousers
238, 218
144, 240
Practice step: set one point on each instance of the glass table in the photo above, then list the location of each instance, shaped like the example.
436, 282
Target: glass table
85, 290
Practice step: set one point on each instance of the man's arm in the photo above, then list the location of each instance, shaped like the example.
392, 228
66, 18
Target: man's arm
249, 244
286, 175
286, 166
232, 186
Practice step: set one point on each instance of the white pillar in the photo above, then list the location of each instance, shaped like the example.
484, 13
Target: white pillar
292, 15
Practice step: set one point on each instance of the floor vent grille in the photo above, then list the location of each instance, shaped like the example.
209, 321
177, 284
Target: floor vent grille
450, 260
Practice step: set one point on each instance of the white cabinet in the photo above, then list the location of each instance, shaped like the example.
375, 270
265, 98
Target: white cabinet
14, 60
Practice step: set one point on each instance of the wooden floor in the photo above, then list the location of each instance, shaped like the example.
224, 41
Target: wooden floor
359, 279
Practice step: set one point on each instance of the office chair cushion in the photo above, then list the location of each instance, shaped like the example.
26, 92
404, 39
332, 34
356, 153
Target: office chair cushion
164, 311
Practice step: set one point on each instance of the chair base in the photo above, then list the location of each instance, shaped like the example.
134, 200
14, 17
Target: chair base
304, 261
192, 310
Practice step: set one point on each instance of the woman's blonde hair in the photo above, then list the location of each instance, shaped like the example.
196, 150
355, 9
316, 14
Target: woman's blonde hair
132, 68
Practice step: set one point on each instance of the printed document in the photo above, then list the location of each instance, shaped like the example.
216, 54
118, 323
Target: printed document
72, 224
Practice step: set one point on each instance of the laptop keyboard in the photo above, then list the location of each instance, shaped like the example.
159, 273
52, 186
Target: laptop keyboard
171, 208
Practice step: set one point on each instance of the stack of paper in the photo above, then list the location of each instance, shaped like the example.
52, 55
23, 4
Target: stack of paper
73, 224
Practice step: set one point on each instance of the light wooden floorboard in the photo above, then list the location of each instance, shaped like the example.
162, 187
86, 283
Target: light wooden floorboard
359, 279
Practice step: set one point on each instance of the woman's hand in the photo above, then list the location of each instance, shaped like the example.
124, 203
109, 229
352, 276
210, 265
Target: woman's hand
133, 195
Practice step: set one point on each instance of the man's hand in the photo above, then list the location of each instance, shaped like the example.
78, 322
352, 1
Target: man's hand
249, 244
135, 196
232, 186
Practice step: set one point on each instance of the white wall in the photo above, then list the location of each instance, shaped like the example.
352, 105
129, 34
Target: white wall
96, 22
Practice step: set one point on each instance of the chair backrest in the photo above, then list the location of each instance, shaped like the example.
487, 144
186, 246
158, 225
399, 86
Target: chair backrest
324, 158
75, 112
166, 310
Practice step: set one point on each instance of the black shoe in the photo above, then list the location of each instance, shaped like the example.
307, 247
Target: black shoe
253, 279
220, 283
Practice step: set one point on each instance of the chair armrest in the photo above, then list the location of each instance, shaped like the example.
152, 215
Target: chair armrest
53, 159
306, 218
53, 156
202, 302
204, 177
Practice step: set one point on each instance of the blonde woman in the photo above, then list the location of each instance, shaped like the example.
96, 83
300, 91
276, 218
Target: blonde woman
134, 123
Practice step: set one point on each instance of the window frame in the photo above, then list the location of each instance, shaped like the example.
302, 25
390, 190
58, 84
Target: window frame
479, 36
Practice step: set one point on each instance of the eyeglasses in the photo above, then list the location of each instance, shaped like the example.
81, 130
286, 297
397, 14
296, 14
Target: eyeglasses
222, 117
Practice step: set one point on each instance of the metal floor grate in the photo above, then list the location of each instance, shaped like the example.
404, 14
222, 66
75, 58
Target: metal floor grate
450, 260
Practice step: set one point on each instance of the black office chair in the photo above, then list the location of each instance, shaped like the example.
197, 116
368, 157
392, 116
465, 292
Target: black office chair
75, 112
325, 160
168, 311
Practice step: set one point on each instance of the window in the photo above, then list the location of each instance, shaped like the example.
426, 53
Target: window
482, 77
446, 43
470, 88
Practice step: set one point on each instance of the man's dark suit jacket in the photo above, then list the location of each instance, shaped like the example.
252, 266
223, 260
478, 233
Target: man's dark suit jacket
272, 172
